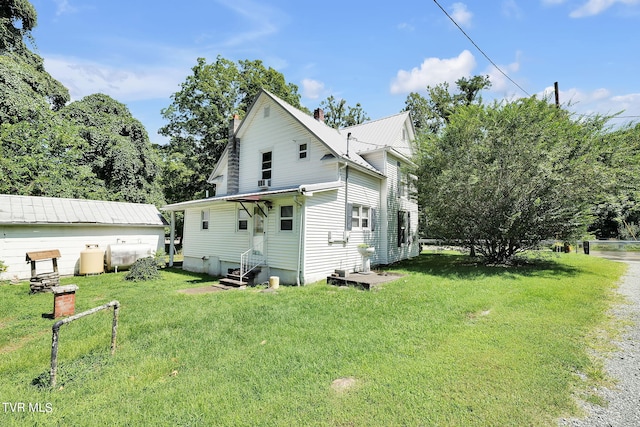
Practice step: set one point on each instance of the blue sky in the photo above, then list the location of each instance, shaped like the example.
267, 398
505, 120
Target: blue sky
140, 51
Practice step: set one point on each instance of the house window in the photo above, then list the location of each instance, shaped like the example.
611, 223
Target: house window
360, 218
403, 228
266, 165
402, 181
204, 219
286, 218
302, 151
267, 111
243, 220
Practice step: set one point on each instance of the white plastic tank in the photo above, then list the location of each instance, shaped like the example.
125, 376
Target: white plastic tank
91, 260
121, 256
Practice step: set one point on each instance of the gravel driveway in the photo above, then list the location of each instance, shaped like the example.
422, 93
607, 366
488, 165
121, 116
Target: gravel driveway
623, 365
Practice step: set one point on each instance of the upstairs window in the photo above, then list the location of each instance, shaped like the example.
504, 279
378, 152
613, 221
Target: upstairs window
266, 165
303, 151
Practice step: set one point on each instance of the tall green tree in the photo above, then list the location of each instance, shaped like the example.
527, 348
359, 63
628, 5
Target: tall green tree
503, 177
338, 114
25, 86
117, 149
432, 114
45, 157
200, 112
618, 210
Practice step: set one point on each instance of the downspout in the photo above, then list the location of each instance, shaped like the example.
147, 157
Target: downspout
172, 237
346, 185
300, 239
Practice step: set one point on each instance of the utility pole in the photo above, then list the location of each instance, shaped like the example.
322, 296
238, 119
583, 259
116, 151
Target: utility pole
557, 92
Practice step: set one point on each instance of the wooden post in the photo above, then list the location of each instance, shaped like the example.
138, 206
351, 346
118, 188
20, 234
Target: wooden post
55, 264
33, 269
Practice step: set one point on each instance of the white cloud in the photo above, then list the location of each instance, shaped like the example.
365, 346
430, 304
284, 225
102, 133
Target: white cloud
594, 7
263, 21
500, 83
405, 26
598, 102
64, 7
433, 71
84, 77
312, 89
510, 9
591, 7
461, 14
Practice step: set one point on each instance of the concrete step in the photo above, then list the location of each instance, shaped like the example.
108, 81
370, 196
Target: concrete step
232, 282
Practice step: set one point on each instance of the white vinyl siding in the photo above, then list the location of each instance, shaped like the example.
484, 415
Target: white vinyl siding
220, 240
396, 204
70, 240
282, 135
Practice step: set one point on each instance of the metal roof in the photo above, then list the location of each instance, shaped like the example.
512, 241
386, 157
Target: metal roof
52, 210
385, 132
306, 189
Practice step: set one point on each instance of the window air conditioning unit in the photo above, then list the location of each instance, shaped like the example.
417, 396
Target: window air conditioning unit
264, 183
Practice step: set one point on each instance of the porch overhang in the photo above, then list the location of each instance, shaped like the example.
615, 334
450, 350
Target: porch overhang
258, 196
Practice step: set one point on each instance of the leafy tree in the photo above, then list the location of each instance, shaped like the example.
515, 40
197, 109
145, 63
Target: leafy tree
17, 20
199, 114
338, 114
618, 210
431, 114
25, 87
117, 149
45, 157
503, 177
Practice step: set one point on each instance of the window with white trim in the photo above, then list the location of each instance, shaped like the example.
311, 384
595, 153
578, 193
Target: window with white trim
204, 219
303, 151
243, 220
286, 218
361, 217
404, 228
266, 164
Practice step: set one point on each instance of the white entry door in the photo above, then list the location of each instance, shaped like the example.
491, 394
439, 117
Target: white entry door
258, 230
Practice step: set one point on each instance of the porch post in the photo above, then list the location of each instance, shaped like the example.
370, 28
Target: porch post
172, 238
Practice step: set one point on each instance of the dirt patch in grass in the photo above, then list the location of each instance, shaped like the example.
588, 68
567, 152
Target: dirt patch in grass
342, 385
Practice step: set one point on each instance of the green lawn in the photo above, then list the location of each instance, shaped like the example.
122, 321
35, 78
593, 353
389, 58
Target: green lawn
449, 344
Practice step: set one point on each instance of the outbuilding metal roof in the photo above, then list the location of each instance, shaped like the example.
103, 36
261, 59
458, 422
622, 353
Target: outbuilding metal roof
52, 210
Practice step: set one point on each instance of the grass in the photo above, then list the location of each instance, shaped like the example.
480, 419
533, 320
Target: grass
449, 344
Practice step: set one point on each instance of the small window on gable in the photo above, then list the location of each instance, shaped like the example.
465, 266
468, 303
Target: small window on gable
286, 218
243, 220
267, 111
266, 165
303, 151
204, 219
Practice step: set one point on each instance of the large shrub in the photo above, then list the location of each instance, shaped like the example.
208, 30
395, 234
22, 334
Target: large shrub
143, 269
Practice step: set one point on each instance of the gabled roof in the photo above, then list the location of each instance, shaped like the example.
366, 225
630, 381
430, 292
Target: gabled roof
52, 210
383, 133
332, 138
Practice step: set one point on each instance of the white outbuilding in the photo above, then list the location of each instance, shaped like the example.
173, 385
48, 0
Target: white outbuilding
30, 224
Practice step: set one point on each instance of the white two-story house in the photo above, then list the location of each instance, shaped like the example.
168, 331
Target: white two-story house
295, 198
